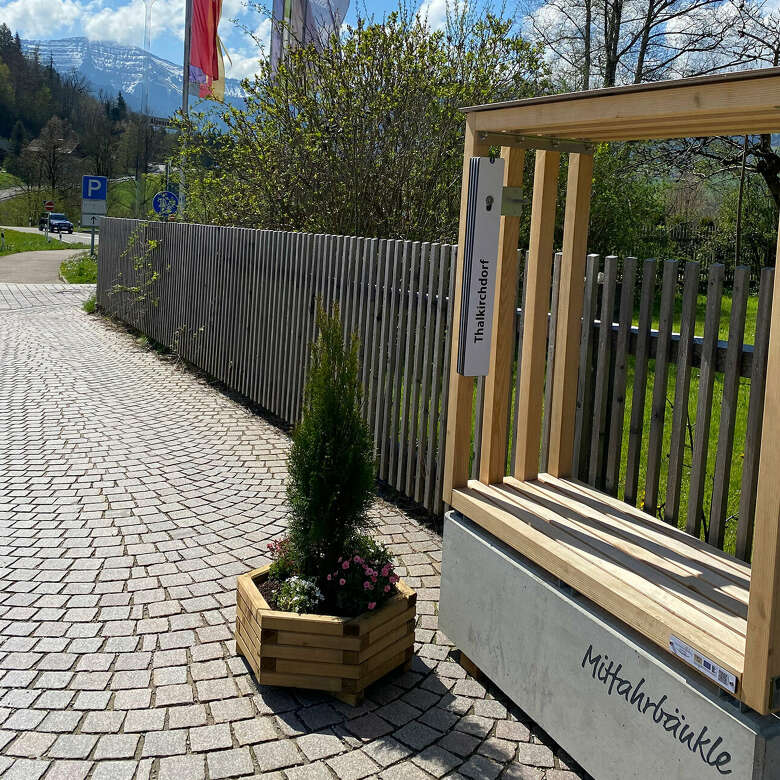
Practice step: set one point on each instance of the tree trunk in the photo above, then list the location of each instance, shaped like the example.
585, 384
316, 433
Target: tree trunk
587, 44
644, 42
768, 165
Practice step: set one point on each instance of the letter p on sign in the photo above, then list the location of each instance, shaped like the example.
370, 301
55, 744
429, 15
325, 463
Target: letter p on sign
94, 187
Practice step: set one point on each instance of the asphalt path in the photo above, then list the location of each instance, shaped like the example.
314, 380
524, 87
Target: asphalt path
34, 267
77, 237
10, 192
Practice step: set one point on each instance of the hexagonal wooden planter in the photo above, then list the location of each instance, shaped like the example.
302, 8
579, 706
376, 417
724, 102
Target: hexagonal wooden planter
339, 655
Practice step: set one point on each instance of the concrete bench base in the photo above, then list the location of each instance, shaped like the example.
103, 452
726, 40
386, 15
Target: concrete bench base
621, 707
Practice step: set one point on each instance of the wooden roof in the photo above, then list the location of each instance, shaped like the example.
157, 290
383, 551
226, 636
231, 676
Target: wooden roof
726, 104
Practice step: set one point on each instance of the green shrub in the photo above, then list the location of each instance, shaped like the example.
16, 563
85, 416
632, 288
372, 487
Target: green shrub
90, 305
331, 464
80, 270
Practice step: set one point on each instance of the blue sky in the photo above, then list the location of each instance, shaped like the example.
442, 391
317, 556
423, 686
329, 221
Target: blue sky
123, 21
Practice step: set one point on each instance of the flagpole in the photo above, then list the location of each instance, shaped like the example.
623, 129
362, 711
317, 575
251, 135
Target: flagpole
185, 89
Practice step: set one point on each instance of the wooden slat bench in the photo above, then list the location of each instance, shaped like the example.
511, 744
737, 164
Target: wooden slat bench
687, 597
660, 581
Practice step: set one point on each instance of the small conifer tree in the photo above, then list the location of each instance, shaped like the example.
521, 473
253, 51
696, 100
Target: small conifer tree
331, 464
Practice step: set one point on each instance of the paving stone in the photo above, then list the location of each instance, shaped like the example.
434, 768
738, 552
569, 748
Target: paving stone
165, 743
320, 716
417, 735
184, 717
114, 746
189, 767
145, 720
436, 761
205, 738
108, 722
277, 755
386, 751
249, 732
33, 744
459, 743
26, 769
535, 755
68, 770
231, 709
115, 770
73, 746
352, 766
229, 763
369, 726
498, 749
512, 729
316, 771
404, 771
316, 746
479, 767
60, 721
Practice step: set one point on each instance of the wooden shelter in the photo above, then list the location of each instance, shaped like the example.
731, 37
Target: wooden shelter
662, 582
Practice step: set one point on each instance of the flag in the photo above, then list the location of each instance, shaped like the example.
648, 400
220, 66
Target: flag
207, 68
301, 22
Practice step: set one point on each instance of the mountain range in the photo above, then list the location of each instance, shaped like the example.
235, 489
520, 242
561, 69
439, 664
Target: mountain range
111, 68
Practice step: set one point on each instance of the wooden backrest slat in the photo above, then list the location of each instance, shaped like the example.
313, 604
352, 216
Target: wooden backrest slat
637, 422
681, 393
728, 409
549, 374
617, 414
602, 388
755, 418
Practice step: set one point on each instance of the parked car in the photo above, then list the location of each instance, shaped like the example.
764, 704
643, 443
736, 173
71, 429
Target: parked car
59, 223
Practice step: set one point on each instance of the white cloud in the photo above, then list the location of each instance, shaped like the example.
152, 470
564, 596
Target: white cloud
244, 53
33, 18
122, 22
435, 12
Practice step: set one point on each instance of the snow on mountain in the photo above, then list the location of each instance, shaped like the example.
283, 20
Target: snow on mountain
111, 68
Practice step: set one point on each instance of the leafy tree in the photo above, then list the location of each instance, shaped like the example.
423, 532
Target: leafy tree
363, 136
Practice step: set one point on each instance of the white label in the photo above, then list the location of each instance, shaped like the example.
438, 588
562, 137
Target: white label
480, 259
716, 673
93, 207
91, 220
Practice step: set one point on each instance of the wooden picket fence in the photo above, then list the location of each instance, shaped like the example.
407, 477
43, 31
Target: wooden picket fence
240, 304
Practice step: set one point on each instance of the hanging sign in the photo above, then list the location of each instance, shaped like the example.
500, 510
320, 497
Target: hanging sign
480, 260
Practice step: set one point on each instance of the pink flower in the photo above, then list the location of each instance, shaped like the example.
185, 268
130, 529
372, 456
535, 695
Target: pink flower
342, 581
339, 560
386, 570
357, 559
393, 579
387, 589
329, 578
371, 604
373, 578
345, 565
366, 585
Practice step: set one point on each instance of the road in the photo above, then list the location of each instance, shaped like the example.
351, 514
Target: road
78, 237
34, 267
10, 192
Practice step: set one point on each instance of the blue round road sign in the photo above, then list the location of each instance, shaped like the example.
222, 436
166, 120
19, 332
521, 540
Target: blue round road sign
165, 203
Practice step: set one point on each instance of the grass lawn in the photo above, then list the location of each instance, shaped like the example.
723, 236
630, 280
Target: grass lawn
8, 180
80, 270
739, 433
15, 241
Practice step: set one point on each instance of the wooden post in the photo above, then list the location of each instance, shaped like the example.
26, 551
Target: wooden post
567, 337
495, 422
456, 453
537, 299
762, 648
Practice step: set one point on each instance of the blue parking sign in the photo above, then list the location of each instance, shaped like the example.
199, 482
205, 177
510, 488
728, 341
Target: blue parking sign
94, 187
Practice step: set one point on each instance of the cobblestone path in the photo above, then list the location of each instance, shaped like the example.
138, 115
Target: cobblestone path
131, 495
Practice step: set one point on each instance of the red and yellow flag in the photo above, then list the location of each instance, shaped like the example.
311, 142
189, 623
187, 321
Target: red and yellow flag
207, 68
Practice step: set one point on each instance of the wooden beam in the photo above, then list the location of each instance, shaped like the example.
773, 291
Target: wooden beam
567, 337
495, 420
762, 651
457, 449
537, 299
739, 104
